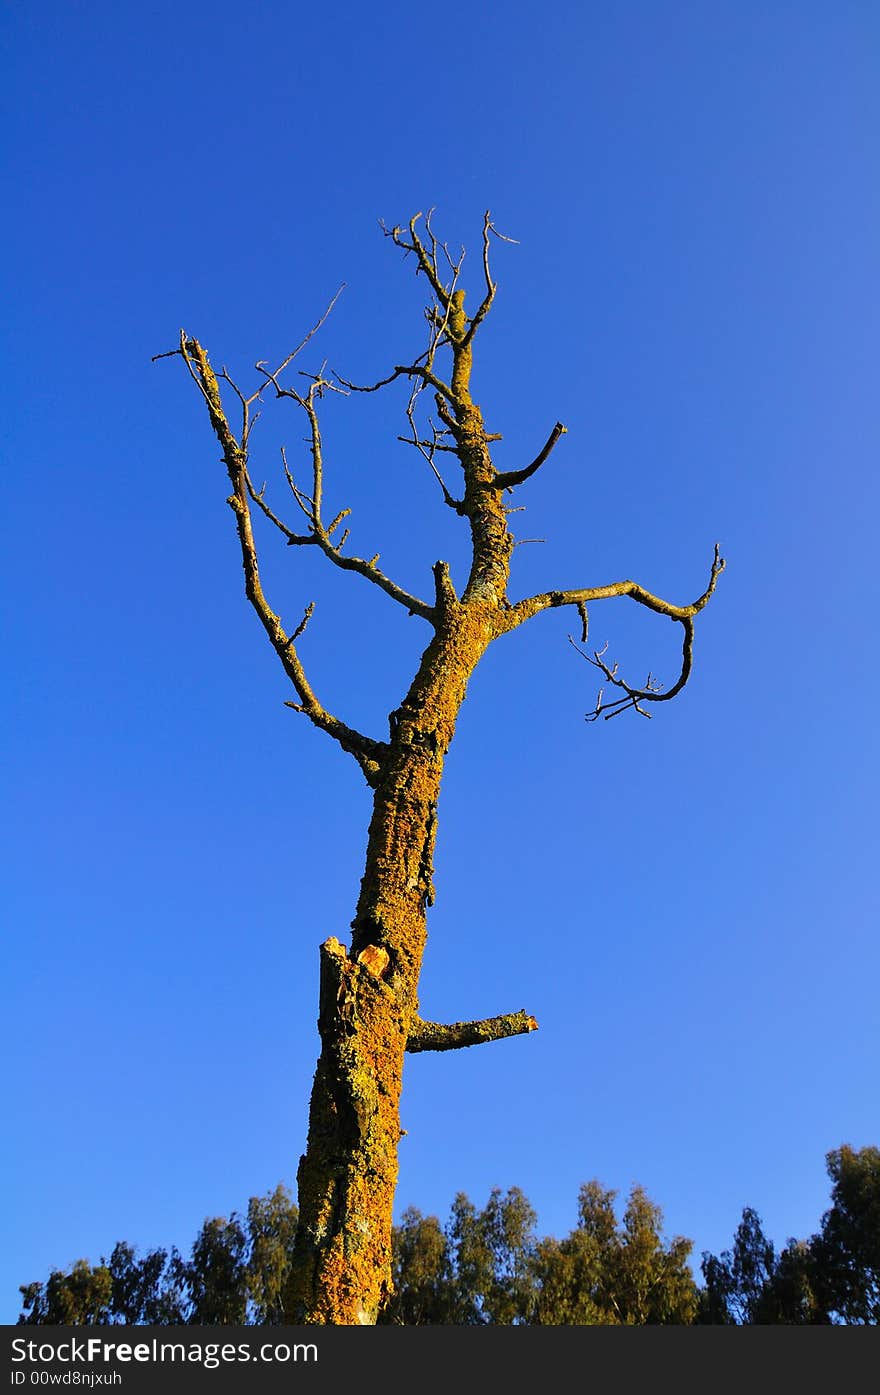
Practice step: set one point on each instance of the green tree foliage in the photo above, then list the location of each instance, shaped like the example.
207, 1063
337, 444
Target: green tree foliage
234, 1274
424, 1280
792, 1298
271, 1223
492, 1253
151, 1290
846, 1252
615, 1274
739, 1281
476, 1271
834, 1277
750, 1283
216, 1274
488, 1266
79, 1297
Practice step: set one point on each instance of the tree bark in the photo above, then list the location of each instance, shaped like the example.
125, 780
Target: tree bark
341, 1270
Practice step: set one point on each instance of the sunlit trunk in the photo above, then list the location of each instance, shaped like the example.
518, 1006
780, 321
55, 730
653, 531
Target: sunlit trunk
369, 996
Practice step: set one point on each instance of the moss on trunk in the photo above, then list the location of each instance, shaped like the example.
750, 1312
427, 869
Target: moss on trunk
369, 999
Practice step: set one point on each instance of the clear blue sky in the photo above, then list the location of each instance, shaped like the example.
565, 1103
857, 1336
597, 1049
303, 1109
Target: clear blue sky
687, 905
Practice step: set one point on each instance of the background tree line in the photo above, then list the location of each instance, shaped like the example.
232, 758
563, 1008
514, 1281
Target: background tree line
489, 1266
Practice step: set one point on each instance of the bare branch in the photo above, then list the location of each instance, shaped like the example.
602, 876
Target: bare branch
437, 1036
311, 505
261, 504
369, 754
301, 345
633, 696
486, 303
246, 422
434, 445
427, 261
513, 477
429, 448
490, 284
489, 231
402, 370
368, 569
652, 690
300, 629
550, 600
303, 500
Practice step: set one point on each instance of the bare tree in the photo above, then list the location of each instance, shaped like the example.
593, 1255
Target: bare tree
369, 1009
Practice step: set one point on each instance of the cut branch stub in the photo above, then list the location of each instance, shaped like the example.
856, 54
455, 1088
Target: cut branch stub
511, 478
375, 959
437, 1036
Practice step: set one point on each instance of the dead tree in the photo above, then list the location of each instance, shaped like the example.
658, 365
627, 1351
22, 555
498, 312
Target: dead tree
369, 1007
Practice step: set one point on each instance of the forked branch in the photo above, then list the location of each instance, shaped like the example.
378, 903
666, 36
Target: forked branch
449, 326
428, 257
368, 753
319, 534
633, 696
429, 265
489, 231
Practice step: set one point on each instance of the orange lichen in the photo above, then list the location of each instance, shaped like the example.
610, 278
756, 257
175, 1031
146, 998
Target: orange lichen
374, 958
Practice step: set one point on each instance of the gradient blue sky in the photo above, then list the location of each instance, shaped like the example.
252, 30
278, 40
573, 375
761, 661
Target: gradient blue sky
687, 905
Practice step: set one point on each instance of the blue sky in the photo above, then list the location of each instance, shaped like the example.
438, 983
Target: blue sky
687, 905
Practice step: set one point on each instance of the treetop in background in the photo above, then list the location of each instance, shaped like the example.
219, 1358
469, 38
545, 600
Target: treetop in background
488, 1266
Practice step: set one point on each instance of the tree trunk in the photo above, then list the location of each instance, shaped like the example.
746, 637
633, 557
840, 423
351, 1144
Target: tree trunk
341, 1269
